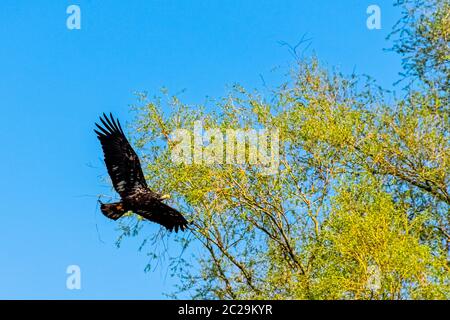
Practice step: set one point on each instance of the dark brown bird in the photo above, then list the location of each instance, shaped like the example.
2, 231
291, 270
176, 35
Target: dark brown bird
128, 180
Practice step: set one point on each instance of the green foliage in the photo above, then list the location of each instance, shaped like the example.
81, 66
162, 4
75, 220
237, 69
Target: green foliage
422, 38
359, 208
369, 230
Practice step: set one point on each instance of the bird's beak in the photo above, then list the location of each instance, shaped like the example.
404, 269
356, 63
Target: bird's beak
165, 196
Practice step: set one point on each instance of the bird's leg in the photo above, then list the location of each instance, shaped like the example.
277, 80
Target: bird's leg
164, 196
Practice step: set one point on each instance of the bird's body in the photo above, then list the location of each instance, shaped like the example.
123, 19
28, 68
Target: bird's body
128, 180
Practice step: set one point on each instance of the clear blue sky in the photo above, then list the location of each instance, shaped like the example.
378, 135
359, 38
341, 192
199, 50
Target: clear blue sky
54, 83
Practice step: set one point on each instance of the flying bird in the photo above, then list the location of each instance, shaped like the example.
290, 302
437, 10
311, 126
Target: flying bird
128, 180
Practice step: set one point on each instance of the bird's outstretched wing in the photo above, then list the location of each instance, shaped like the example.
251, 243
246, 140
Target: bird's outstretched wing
165, 215
122, 162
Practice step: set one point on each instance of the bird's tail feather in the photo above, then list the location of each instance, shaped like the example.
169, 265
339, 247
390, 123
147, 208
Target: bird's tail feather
113, 210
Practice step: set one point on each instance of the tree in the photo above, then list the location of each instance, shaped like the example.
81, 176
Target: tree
359, 205
422, 38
